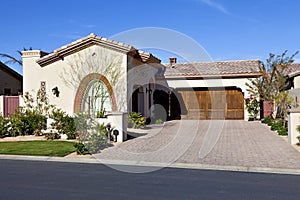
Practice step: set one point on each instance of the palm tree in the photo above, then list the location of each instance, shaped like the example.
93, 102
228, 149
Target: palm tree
12, 60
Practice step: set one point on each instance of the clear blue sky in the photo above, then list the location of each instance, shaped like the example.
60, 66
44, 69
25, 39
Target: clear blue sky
227, 29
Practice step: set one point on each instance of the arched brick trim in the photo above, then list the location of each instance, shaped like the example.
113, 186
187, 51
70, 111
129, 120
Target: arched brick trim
83, 86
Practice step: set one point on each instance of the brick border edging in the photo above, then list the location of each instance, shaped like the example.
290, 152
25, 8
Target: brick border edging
83, 86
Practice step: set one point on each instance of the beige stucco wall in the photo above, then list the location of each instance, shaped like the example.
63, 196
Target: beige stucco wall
232, 82
228, 82
94, 59
296, 82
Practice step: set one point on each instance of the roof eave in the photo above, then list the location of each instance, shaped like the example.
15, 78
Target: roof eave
84, 43
291, 75
244, 75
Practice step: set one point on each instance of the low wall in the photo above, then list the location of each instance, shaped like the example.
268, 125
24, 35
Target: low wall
293, 123
118, 121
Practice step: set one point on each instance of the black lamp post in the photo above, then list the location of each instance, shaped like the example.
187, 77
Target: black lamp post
108, 128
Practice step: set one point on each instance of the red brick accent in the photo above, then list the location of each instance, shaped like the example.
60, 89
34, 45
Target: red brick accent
83, 86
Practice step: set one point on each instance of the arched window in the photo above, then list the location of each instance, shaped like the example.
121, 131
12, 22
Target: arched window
96, 99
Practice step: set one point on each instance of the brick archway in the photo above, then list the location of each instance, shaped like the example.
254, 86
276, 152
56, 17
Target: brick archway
83, 86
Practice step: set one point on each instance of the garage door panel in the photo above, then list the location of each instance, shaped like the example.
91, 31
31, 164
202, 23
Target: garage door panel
216, 114
213, 104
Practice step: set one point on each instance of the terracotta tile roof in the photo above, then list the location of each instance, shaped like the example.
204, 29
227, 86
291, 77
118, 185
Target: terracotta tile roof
88, 41
214, 69
293, 70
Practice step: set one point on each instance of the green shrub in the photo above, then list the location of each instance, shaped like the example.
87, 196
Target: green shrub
94, 139
63, 123
96, 142
159, 121
91, 134
251, 119
31, 118
83, 122
283, 131
136, 120
267, 120
100, 114
100, 128
81, 149
3, 126
26, 122
252, 106
277, 126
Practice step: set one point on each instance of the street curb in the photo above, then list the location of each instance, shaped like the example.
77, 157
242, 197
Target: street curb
154, 164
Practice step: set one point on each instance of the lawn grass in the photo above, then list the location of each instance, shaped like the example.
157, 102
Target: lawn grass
37, 148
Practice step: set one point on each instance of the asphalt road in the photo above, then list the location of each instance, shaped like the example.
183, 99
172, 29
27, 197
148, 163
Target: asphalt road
55, 180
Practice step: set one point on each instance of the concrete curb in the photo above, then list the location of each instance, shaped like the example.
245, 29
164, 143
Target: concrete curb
154, 164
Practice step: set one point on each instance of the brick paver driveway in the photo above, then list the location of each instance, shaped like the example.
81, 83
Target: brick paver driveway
226, 143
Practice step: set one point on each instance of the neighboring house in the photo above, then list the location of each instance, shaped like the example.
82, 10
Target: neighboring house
293, 74
10, 88
10, 81
95, 74
211, 90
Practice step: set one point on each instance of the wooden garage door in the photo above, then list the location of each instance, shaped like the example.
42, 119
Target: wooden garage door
213, 104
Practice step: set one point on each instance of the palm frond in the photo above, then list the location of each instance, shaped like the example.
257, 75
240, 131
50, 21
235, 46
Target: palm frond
10, 59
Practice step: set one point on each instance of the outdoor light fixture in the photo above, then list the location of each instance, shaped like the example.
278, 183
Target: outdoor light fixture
55, 91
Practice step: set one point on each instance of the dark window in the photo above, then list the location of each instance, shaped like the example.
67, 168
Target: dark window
7, 91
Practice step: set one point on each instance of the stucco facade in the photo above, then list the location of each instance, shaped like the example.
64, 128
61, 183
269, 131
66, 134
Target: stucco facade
73, 67
131, 77
297, 82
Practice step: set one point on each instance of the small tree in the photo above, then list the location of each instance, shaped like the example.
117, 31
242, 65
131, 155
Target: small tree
284, 101
252, 106
272, 84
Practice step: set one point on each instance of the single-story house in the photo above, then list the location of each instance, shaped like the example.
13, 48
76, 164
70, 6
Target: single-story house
212, 90
134, 80
293, 74
94, 75
10, 81
10, 87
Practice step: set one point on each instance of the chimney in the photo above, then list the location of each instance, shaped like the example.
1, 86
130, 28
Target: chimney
172, 61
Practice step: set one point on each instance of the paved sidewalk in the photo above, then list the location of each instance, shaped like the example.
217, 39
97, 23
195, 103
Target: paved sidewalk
214, 143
